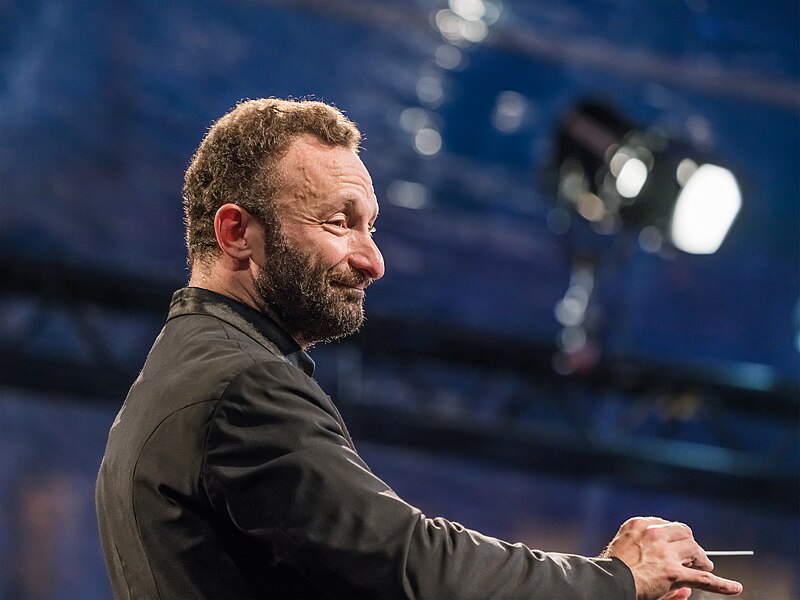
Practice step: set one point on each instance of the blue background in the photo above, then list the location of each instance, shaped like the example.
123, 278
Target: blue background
103, 103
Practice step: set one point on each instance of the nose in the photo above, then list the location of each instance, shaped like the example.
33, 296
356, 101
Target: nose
367, 258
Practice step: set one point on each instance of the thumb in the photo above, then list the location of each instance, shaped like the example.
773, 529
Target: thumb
679, 594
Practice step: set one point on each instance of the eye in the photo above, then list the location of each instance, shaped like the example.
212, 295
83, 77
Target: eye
338, 222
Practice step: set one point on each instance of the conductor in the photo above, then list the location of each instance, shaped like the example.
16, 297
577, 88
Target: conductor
229, 473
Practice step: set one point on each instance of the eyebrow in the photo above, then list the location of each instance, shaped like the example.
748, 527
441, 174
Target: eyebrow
350, 202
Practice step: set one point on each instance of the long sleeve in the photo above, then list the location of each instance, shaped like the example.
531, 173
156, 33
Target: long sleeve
279, 465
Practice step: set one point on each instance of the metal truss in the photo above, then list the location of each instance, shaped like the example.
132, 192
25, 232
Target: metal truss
86, 333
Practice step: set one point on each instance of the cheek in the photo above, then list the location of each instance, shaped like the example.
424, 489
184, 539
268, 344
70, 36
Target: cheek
333, 252
257, 245
323, 258
321, 247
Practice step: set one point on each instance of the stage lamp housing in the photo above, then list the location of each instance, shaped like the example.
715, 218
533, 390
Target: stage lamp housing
617, 175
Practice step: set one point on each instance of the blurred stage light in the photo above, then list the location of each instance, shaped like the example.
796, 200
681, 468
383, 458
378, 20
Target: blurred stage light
430, 91
466, 21
615, 174
705, 210
408, 194
468, 9
631, 178
427, 141
510, 111
448, 56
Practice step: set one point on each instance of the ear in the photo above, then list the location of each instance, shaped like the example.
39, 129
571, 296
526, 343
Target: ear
231, 225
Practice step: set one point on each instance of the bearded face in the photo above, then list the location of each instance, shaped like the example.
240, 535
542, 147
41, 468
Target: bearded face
313, 302
319, 251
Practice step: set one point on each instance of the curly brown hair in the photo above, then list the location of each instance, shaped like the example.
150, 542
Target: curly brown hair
237, 162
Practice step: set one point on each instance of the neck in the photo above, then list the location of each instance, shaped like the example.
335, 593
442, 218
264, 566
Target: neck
247, 295
209, 279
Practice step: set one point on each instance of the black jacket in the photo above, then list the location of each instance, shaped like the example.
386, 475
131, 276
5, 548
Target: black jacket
230, 474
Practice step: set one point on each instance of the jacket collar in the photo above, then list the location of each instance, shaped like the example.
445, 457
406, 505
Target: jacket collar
257, 325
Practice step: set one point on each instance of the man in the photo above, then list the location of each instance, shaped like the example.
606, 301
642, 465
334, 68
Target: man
230, 474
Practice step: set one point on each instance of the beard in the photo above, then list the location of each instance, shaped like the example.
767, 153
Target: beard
311, 301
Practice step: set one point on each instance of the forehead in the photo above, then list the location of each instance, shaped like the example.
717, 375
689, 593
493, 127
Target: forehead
311, 170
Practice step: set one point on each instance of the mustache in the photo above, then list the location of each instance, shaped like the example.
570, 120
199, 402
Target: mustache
351, 278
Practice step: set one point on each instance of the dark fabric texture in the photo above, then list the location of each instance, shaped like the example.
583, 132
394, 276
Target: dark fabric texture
229, 474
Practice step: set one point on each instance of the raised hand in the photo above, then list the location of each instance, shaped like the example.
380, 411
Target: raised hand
664, 558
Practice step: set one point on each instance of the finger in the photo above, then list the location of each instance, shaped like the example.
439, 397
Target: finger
690, 554
702, 580
642, 523
655, 519
668, 532
677, 531
701, 561
679, 594
683, 545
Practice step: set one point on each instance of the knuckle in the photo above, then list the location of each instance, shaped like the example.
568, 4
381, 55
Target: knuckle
653, 533
685, 527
